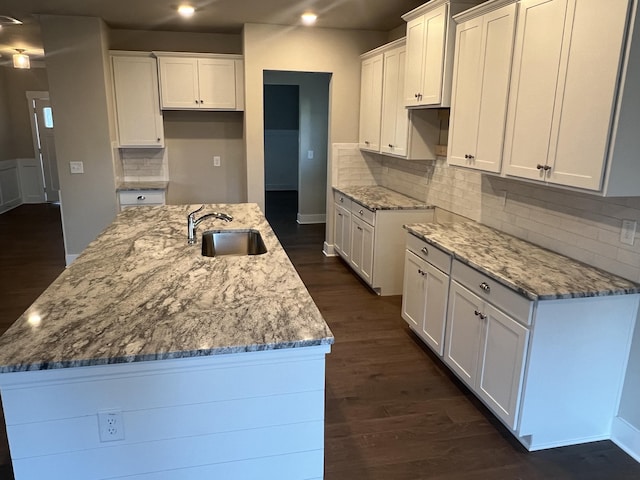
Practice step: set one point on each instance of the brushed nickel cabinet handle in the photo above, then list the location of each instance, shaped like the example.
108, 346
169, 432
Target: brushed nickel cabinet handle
425, 250
484, 286
141, 197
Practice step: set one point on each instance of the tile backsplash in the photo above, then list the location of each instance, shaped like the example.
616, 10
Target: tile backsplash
144, 164
581, 226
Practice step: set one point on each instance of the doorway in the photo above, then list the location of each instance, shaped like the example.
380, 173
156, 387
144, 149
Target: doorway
42, 131
296, 124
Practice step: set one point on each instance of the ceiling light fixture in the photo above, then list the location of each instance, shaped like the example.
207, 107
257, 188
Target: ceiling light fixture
186, 10
5, 20
309, 18
20, 60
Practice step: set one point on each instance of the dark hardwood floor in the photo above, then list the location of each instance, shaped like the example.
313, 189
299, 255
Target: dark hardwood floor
393, 411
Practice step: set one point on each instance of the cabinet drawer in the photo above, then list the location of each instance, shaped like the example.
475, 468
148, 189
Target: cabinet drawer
342, 200
142, 197
364, 213
493, 292
430, 253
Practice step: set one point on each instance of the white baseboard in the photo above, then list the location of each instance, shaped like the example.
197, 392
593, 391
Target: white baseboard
328, 250
626, 436
304, 219
69, 258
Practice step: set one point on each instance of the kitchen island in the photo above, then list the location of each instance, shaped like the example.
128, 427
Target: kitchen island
209, 367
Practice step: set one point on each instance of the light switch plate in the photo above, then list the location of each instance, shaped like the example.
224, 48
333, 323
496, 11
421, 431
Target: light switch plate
310, 154
216, 161
76, 167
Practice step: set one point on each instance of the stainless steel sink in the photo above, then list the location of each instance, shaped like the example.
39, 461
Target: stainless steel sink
232, 242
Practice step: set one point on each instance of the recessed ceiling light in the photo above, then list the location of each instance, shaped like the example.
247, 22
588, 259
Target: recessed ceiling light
186, 10
309, 18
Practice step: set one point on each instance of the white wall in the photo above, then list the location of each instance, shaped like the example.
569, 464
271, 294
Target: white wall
76, 49
269, 47
5, 116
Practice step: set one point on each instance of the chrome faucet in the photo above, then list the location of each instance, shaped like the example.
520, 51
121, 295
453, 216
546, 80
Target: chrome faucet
192, 223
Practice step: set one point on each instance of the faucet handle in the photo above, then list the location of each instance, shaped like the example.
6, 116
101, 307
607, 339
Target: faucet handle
196, 211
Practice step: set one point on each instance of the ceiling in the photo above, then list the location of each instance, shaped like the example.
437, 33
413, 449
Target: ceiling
212, 16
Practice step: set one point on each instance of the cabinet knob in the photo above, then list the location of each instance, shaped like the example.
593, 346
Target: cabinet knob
341, 199
476, 313
484, 286
158, 139
339, 214
141, 197
197, 101
390, 146
420, 272
201, 101
482, 316
361, 212
425, 250
547, 167
366, 142
359, 228
471, 157
540, 167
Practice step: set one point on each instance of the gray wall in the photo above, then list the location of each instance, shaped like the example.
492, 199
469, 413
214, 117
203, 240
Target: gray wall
5, 118
281, 136
192, 140
270, 47
76, 49
146, 40
18, 82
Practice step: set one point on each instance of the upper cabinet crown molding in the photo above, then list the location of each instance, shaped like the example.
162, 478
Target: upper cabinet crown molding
430, 40
194, 81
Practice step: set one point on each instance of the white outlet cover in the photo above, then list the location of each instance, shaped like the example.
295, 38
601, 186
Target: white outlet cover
110, 426
310, 154
216, 161
628, 231
76, 167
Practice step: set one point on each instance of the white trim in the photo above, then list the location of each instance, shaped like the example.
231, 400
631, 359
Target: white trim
305, 219
329, 250
70, 258
626, 436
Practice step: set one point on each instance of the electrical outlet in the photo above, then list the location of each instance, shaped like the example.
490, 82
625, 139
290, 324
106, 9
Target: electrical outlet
76, 167
628, 231
110, 426
310, 154
216, 161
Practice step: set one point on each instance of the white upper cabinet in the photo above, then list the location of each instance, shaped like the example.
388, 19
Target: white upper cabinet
574, 102
135, 88
371, 101
482, 68
201, 82
386, 126
430, 39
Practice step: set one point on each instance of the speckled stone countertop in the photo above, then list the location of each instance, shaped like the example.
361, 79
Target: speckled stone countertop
381, 198
140, 292
128, 186
534, 272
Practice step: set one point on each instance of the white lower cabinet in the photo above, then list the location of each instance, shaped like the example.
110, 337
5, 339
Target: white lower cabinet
140, 198
424, 300
372, 242
551, 370
362, 248
486, 348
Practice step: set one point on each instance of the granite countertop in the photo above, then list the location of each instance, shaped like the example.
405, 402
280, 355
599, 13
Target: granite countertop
153, 185
140, 292
532, 271
381, 198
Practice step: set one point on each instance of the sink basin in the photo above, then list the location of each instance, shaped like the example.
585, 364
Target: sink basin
232, 242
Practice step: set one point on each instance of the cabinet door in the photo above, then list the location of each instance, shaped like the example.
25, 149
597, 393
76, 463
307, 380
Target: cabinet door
465, 98
435, 30
217, 84
534, 81
502, 352
464, 331
138, 114
497, 50
342, 231
371, 103
362, 248
179, 83
435, 316
413, 291
415, 61
395, 117
587, 88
